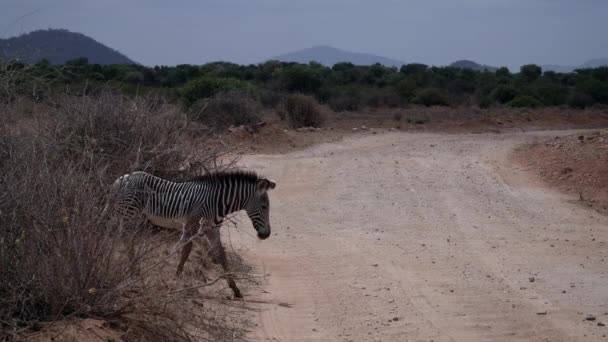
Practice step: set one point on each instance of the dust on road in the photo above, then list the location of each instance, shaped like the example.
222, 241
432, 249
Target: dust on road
419, 237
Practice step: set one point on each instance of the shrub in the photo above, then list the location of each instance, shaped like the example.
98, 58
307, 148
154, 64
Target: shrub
301, 78
550, 94
431, 97
303, 111
525, 101
407, 88
61, 254
504, 93
343, 103
206, 87
133, 77
226, 109
270, 98
485, 102
579, 100
383, 99
531, 72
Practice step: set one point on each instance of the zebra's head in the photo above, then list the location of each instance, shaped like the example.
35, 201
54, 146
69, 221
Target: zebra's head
258, 208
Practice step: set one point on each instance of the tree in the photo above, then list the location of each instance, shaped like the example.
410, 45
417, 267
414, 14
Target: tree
412, 69
206, 87
504, 93
299, 78
431, 97
503, 72
531, 72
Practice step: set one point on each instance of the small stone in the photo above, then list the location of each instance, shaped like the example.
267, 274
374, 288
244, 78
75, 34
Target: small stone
542, 313
600, 324
531, 279
395, 319
590, 318
375, 265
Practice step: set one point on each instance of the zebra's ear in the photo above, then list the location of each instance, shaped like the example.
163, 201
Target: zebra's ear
264, 185
271, 184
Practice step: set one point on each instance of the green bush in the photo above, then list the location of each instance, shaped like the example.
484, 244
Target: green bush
206, 87
525, 101
579, 100
531, 72
226, 109
301, 78
407, 88
550, 94
349, 103
303, 111
431, 97
133, 77
486, 102
593, 87
504, 93
270, 98
383, 99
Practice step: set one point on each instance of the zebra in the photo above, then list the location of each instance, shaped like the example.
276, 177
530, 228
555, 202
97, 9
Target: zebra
196, 206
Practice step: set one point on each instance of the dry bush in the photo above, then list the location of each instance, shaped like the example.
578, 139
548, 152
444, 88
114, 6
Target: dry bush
303, 111
19, 80
349, 103
61, 255
270, 99
226, 109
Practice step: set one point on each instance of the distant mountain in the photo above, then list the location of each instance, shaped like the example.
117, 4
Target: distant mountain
593, 63
563, 69
466, 64
329, 56
59, 46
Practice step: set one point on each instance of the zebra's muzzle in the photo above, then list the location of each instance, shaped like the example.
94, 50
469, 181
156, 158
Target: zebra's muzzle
264, 235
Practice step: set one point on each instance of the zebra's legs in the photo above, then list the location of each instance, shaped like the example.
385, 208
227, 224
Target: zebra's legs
184, 256
181, 239
190, 230
218, 256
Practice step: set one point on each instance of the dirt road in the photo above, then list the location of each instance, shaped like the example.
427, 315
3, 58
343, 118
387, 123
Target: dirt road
420, 237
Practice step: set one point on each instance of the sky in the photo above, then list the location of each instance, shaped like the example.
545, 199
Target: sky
494, 32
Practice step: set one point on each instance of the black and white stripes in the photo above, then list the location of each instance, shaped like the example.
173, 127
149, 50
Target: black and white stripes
212, 197
191, 205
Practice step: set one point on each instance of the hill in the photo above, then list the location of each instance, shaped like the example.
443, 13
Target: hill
329, 56
466, 64
590, 64
59, 46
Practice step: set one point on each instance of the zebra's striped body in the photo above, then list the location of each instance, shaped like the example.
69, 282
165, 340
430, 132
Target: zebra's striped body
192, 205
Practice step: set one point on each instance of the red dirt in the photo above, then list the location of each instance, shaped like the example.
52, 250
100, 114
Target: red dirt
86, 330
576, 164
276, 137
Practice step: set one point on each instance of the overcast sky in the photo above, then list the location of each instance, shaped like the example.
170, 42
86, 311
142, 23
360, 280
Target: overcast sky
495, 32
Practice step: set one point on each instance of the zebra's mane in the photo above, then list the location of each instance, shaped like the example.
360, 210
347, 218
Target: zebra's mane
231, 175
